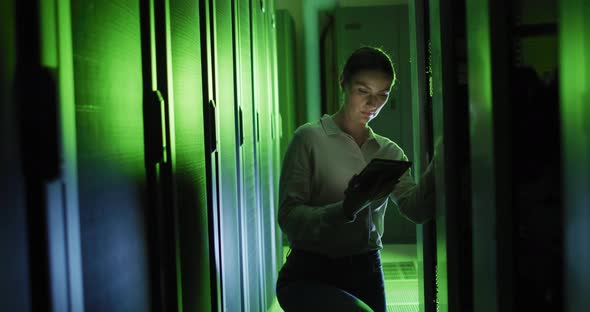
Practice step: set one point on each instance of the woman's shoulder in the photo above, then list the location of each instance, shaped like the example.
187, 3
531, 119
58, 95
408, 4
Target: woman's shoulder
308, 131
390, 146
385, 141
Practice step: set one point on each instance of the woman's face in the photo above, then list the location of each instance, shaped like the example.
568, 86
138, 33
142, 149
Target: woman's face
365, 95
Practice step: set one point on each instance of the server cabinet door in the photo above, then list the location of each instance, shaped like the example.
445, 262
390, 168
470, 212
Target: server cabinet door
211, 152
187, 98
484, 201
422, 135
450, 130
110, 145
228, 206
276, 123
265, 135
248, 160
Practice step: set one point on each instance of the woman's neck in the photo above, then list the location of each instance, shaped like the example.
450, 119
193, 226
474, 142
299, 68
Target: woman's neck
359, 132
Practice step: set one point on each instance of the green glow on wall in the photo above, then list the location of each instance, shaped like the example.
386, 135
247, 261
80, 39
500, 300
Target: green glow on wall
121, 112
109, 87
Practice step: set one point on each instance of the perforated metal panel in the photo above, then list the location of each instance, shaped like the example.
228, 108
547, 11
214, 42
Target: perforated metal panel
402, 295
229, 224
248, 160
112, 181
267, 139
399, 270
189, 154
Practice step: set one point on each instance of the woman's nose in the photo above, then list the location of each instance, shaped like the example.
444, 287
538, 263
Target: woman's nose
372, 100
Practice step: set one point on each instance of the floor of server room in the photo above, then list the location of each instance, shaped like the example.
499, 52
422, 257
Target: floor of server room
401, 278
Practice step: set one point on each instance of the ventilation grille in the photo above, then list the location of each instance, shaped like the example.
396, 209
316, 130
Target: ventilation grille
401, 286
402, 308
399, 271
402, 296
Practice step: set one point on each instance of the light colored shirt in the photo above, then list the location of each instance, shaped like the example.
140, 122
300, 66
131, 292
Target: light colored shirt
318, 164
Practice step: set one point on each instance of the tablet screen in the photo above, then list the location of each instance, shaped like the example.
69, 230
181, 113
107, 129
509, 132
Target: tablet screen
380, 175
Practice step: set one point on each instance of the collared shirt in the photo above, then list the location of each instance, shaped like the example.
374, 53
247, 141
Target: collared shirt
318, 164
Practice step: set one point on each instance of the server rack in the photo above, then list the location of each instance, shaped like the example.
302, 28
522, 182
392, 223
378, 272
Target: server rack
120, 167
242, 142
159, 124
420, 69
40, 153
450, 120
187, 87
266, 134
248, 165
517, 219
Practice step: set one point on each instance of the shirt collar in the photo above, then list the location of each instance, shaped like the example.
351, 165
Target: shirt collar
331, 128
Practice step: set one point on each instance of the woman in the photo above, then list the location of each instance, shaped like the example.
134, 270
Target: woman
334, 263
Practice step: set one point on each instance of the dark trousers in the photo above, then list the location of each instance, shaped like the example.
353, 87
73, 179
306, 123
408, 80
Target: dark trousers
312, 282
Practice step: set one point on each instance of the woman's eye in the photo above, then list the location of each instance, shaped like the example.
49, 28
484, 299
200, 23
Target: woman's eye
363, 91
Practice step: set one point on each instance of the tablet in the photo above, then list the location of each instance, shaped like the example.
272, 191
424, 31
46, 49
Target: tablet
379, 177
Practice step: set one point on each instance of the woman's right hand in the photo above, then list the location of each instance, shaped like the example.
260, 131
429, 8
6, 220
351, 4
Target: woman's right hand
356, 200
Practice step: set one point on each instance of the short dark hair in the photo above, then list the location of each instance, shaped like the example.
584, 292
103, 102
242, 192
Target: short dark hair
368, 58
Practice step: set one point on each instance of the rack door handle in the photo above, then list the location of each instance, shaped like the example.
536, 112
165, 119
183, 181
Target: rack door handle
155, 146
212, 125
241, 121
